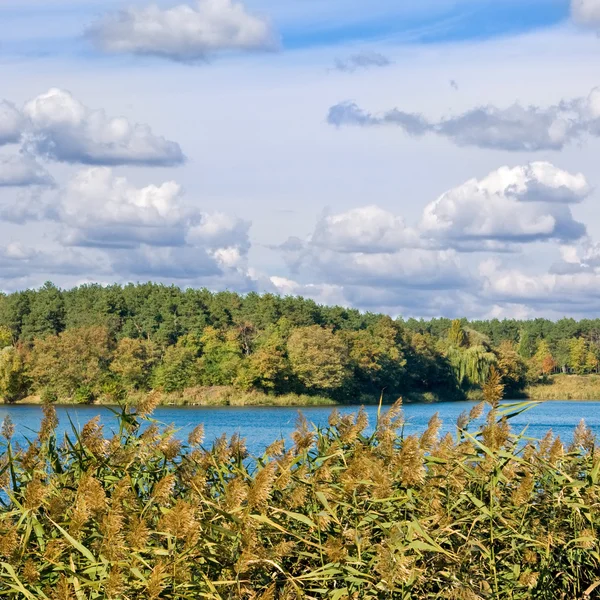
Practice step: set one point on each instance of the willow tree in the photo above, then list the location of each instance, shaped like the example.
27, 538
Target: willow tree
457, 336
471, 366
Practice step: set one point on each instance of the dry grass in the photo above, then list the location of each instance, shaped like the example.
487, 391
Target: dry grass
567, 387
339, 515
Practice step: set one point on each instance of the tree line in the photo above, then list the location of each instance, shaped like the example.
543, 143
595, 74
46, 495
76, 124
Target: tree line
94, 342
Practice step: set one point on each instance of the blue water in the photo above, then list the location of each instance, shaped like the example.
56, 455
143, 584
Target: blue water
263, 425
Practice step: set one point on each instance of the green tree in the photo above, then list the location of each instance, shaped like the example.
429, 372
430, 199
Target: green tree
377, 355
542, 363
512, 368
527, 344
471, 366
46, 314
591, 361
267, 367
132, 362
13, 379
318, 358
457, 336
5, 337
578, 355
177, 370
562, 354
221, 357
73, 362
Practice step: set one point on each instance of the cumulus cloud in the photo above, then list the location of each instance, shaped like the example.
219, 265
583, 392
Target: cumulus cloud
186, 32
22, 170
369, 258
583, 257
11, 123
62, 128
220, 231
586, 12
579, 291
99, 209
367, 229
407, 269
516, 128
523, 204
362, 60
108, 226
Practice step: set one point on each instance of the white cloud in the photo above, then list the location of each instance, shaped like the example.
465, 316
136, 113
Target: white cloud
147, 232
586, 12
186, 32
63, 129
583, 257
563, 293
407, 269
322, 293
523, 204
100, 209
516, 128
22, 170
368, 229
11, 123
219, 231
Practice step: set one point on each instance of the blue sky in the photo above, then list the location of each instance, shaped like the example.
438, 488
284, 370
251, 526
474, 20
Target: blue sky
423, 159
56, 27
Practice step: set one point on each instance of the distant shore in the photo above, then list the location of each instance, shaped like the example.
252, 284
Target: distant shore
561, 387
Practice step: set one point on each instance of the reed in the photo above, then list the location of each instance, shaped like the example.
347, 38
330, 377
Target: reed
338, 514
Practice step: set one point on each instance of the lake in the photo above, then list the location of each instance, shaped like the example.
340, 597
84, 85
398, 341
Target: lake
263, 425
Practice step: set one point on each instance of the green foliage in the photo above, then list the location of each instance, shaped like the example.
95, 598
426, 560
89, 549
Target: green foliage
342, 513
578, 355
267, 367
76, 359
526, 344
457, 336
162, 336
132, 362
318, 358
5, 337
13, 379
177, 370
512, 368
471, 366
221, 356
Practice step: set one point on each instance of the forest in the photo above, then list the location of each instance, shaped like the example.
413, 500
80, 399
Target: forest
103, 343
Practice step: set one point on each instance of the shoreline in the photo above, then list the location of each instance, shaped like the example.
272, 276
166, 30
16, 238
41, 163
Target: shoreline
565, 388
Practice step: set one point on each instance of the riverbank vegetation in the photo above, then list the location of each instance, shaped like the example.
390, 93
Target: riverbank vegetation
103, 344
337, 514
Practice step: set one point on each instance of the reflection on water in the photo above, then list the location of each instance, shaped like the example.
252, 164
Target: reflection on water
262, 425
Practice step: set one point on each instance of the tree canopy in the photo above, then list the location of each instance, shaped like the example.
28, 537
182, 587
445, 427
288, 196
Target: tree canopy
93, 341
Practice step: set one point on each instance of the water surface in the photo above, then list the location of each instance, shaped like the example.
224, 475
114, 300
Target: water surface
262, 425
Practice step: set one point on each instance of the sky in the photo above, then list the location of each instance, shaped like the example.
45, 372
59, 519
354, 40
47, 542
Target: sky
423, 159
